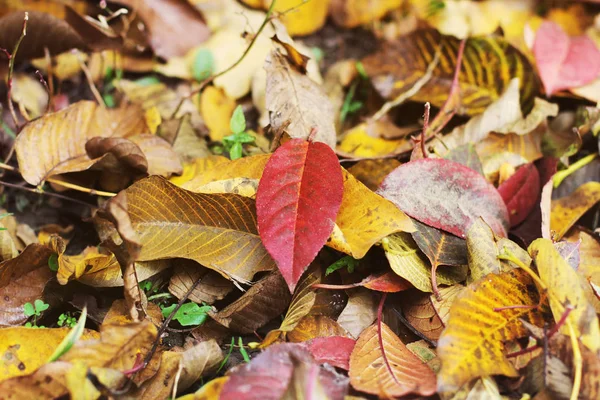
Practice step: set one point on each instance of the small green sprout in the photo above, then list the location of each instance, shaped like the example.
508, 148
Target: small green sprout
348, 262
189, 314
34, 310
66, 319
234, 143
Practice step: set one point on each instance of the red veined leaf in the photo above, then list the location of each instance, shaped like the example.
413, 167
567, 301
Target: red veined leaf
387, 282
445, 195
520, 193
334, 350
564, 62
297, 201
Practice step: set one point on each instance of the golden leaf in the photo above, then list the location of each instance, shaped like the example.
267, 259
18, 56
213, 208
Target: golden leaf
471, 346
216, 109
567, 210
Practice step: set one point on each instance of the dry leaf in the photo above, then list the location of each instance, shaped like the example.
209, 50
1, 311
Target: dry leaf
567, 210
353, 13
212, 286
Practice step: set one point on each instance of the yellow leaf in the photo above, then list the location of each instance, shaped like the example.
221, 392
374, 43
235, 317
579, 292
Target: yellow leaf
29, 94
210, 391
397, 373
567, 210
472, 346
217, 230
153, 119
26, 349
302, 17
359, 143
564, 289
353, 13
216, 109
407, 261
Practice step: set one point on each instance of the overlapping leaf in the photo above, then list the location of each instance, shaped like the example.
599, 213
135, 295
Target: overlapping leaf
218, 231
471, 346
489, 63
567, 210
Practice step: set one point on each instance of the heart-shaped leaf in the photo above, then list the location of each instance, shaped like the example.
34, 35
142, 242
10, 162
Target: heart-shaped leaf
298, 198
446, 195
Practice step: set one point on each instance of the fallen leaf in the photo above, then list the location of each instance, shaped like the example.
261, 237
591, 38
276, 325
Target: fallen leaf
160, 386
471, 346
294, 97
408, 262
428, 190
212, 286
26, 349
420, 312
76, 125
567, 210
564, 289
306, 18
560, 59
372, 172
267, 376
520, 193
353, 13
216, 223
265, 300
333, 350
467, 156
199, 360
381, 364
216, 109
396, 67
175, 27
315, 326
359, 313
298, 198
21, 290
33, 257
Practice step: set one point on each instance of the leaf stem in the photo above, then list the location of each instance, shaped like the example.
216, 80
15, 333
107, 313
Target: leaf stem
11, 67
561, 175
380, 338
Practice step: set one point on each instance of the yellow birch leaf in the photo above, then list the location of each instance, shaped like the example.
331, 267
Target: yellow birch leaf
567, 210
216, 109
472, 346
564, 289
360, 144
153, 119
26, 349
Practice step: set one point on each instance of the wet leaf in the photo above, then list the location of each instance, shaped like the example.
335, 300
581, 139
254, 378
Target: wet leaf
297, 201
427, 190
567, 210
382, 365
471, 345
559, 61
294, 97
215, 223
398, 65
565, 289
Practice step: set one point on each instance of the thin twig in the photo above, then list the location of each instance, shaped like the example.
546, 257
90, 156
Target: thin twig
43, 82
50, 80
414, 330
11, 67
90, 79
210, 79
425, 126
49, 194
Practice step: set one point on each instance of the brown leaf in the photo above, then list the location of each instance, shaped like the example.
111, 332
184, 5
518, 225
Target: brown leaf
418, 309
218, 231
293, 97
160, 386
212, 286
65, 30
33, 257
353, 13
175, 26
199, 360
74, 126
314, 326
24, 289
359, 313
265, 300
396, 373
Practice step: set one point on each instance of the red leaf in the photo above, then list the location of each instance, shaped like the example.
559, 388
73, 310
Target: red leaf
297, 201
388, 282
268, 375
564, 62
520, 193
334, 350
445, 195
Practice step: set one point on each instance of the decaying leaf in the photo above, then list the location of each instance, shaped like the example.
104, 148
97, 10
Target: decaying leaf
471, 345
489, 65
428, 190
294, 99
381, 364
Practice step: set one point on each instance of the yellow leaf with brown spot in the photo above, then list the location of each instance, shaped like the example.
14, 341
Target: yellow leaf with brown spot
567, 210
217, 230
564, 288
472, 346
26, 349
216, 110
